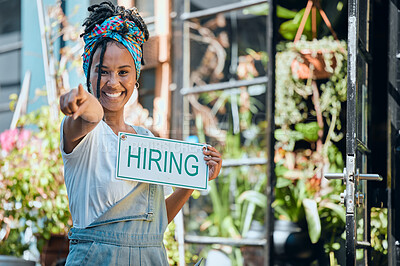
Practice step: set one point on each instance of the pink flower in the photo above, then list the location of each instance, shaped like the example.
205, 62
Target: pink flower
8, 139
12, 138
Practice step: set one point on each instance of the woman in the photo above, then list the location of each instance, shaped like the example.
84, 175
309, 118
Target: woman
115, 222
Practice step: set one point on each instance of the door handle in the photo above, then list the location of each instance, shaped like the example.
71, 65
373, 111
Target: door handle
331, 176
368, 177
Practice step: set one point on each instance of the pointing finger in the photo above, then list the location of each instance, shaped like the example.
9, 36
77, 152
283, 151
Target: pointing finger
81, 92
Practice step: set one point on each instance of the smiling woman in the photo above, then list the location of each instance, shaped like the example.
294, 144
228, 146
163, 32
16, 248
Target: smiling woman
114, 221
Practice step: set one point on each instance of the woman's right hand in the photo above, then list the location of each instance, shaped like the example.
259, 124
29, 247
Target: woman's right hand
74, 102
86, 112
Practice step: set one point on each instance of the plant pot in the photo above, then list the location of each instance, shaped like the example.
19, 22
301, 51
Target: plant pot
292, 243
55, 250
302, 68
14, 261
254, 255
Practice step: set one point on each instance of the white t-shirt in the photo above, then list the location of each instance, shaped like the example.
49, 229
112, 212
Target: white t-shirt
89, 173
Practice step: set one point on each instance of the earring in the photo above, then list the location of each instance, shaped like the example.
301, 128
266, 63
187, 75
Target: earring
137, 85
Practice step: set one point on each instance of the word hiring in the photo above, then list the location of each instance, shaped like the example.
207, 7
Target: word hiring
164, 161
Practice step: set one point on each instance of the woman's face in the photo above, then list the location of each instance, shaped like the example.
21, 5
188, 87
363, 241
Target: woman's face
118, 76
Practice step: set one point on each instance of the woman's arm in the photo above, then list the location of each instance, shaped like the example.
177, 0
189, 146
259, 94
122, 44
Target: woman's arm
175, 202
84, 112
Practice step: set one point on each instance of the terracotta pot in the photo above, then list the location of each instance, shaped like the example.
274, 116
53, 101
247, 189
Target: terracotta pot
302, 69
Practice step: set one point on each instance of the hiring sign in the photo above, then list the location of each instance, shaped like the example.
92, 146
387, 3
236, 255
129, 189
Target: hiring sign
161, 161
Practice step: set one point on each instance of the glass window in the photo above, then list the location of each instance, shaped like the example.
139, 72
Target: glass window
92, 2
10, 14
145, 7
146, 89
10, 58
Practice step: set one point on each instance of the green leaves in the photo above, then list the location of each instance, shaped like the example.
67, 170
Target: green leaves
309, 131
303, 131
313, 221
258, 10
288, 29
335, 208
282, 182
254, 197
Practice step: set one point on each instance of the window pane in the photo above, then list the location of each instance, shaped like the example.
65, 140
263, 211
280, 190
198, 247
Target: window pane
145, 7
92, 2
10, 14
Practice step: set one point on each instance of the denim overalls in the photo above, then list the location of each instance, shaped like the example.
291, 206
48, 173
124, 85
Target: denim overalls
129, 233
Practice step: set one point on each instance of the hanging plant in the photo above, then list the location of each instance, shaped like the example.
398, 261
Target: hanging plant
292, 90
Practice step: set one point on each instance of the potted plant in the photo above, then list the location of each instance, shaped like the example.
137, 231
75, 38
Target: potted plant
33, 194
302, 210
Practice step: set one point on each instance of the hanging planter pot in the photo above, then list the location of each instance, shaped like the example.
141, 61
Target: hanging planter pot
313, 65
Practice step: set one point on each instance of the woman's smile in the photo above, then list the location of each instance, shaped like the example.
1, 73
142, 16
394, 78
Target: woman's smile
113, 95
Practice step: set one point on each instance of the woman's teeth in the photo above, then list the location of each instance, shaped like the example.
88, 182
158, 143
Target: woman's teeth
113, 95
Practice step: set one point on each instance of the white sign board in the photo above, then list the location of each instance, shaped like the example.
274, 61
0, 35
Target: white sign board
161, 161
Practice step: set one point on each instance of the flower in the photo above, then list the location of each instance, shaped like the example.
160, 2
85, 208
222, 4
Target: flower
12, 138
8, 139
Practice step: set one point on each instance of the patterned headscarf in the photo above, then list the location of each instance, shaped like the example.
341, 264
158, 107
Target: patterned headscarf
111, 28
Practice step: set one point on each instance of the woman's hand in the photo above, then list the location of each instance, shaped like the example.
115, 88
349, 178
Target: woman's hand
84, 112
213, 160
76, 102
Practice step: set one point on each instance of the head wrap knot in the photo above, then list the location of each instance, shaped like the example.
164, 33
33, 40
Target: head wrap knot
114, 28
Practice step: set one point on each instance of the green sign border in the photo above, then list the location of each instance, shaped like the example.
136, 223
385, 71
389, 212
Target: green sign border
157, 182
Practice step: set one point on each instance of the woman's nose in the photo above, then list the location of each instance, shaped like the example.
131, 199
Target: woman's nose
112, 80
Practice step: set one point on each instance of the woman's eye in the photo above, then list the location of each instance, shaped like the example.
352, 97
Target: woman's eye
102, 72
123, 72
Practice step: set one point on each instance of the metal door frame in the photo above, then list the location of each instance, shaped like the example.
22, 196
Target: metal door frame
356, 148
393, 109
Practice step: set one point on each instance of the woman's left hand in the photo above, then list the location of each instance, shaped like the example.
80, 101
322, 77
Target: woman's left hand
213, 160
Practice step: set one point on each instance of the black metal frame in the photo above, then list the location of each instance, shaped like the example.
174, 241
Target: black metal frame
177, 125
393, 109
